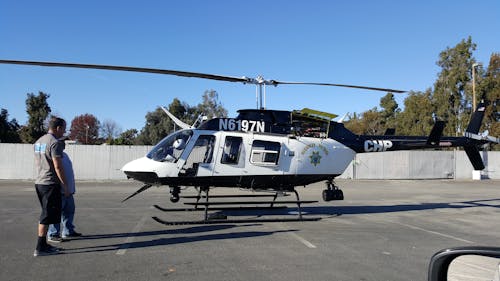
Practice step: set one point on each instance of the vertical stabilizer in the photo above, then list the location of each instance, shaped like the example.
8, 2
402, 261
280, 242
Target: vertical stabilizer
436, 133
476, 119
474, 157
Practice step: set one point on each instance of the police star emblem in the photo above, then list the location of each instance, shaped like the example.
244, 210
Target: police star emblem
315, 158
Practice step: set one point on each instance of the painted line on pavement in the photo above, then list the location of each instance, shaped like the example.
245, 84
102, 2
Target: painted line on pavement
130, 239
435, 232
298, 237
303, 241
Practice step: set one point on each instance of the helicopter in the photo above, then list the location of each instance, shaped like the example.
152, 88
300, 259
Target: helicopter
274, 150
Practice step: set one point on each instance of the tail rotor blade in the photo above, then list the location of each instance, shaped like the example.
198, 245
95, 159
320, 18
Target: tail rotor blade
144, 187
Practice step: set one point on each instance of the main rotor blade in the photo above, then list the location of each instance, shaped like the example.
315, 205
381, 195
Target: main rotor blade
244, 80
274, 82
129, 68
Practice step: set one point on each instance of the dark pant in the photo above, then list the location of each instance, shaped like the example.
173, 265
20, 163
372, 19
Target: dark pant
50, 201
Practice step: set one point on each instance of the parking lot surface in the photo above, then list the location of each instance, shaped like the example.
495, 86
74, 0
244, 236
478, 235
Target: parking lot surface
383, 230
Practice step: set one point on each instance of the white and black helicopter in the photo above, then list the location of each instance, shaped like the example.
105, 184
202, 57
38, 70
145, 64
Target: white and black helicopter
265, 149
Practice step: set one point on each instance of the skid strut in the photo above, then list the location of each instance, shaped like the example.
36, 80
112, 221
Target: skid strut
223, 205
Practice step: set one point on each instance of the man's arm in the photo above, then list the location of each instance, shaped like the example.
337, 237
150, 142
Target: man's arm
58, 166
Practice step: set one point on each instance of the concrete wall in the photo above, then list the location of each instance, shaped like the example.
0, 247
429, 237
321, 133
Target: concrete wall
404, 165
90, 162
420, 165
103, 162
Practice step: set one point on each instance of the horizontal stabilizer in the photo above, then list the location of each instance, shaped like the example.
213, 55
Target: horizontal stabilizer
476, 119
474, 157
436, 133
482, 138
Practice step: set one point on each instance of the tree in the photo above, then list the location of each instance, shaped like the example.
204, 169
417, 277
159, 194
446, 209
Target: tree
417, 117
9, 130
127, 138
158, 125
211, 106
489, 90
389, 111
373, 121
355, 124
85, 129
38, 111
183, 111
373, 124
110, 130
450, 98
370, 123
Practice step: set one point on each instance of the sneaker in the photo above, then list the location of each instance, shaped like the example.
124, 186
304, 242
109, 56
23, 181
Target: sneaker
55, 239
47, 251
72, 235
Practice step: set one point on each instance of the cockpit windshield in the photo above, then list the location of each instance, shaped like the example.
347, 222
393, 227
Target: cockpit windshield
171, 147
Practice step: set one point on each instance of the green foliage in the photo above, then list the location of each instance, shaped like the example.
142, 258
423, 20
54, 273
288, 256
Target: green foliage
373, 121
159, 125
489, 90
450, 100
390, 111
38, 111
211, 106
416, 119
126, 138
9, 130
355, 124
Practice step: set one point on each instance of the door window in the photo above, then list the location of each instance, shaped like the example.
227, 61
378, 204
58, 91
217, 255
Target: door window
265, 152
231, 151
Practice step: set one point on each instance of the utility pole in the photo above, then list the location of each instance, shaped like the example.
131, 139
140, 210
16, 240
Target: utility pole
474, 86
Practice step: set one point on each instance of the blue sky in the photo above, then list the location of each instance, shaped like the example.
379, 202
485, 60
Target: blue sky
393, 44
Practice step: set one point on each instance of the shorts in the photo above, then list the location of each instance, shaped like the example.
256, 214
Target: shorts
51, 202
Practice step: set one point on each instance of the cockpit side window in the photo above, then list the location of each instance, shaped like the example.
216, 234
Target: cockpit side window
231, 151
202, 151
170, 148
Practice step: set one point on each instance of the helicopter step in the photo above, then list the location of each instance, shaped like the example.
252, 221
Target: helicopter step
223, 221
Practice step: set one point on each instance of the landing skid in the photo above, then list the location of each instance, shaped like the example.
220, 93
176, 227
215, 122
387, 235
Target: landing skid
218, 221
222, 205
218, 208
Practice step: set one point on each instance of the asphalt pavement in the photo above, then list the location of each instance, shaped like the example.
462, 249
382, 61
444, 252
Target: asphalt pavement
383, 230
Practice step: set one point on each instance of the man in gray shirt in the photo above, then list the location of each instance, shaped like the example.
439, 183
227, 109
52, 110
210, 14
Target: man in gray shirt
49, 181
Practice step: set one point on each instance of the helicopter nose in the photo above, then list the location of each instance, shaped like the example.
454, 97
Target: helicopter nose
134, 165
140, 169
